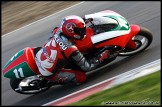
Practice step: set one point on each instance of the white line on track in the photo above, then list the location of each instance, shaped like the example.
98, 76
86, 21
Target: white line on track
121, 78
42, 19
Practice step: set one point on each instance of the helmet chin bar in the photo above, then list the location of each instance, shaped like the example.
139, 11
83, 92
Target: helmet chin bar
83, 37
79, 37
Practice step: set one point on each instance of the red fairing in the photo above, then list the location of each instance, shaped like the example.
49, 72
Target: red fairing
86, 44
122, 40
134, 30
28, 57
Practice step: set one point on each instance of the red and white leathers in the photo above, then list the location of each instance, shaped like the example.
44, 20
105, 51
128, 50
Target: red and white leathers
56, 53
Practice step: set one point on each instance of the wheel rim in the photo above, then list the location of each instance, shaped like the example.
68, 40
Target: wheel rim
144, 42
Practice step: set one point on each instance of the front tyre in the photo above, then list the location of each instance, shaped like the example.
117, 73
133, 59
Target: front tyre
142, 39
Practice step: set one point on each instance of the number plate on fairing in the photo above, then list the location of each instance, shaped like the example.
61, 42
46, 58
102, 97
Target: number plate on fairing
18, 66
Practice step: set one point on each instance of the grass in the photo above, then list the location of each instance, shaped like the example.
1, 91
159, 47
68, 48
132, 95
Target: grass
141, 91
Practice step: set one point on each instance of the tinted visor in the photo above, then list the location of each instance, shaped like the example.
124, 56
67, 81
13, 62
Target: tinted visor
80, 31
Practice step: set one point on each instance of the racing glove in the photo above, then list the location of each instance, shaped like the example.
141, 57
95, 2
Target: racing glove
91, 64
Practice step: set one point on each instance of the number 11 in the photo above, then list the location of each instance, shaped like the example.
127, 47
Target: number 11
16, 73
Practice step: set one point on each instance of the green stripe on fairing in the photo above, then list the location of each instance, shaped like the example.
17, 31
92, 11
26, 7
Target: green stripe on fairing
119, 27
25, 68
18, 54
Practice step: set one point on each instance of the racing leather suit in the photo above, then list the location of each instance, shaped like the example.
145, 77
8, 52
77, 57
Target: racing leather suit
56, 53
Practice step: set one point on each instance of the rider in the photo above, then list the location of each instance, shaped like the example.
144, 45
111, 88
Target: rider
60, 49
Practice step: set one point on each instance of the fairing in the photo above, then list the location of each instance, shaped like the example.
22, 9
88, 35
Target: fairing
21, 65
120, 40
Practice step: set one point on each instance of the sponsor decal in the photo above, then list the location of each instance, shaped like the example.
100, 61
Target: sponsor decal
70, 27
61, 44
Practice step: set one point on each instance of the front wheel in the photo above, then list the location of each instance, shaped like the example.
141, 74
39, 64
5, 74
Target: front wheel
27, 86
142, 39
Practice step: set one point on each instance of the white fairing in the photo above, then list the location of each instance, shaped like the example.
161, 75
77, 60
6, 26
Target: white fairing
102, 13
99, 19
107, 35
103, 20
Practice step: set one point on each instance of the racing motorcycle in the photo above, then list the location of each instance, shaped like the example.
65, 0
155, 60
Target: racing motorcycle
105, 30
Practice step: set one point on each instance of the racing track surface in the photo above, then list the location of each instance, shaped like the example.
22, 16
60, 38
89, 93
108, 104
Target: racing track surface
146, 14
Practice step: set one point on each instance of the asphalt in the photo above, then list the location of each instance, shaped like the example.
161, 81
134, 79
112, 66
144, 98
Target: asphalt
146, 14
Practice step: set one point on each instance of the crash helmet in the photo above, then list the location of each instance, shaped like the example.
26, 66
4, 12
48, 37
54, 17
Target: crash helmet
74, 27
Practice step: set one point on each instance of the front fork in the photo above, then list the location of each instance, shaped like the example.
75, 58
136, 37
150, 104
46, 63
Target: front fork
131, 44
134, 30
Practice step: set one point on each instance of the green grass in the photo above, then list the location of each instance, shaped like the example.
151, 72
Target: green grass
141, 91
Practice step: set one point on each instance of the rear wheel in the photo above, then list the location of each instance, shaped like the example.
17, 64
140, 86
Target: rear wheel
143, 39
27, 86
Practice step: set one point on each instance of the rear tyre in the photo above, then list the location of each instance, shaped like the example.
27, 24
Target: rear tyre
22, 87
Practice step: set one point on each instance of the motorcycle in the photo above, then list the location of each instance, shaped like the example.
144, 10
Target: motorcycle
105, 30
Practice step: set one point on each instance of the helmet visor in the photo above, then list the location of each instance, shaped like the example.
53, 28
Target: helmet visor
80, 31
